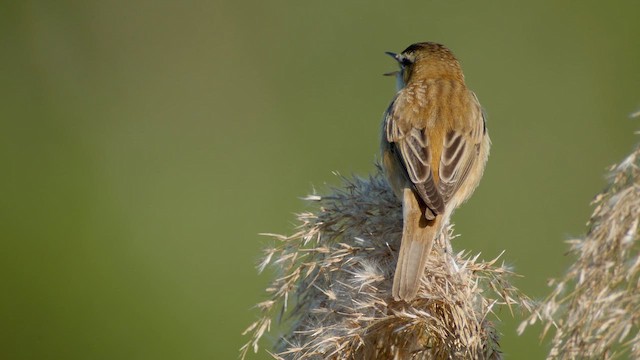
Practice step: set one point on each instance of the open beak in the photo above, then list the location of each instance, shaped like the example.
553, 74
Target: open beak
395, 57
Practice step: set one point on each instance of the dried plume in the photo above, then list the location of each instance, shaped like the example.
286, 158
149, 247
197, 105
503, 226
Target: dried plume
332, 290
595, 307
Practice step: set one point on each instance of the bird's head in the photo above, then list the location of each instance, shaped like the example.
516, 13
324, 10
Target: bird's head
425, 60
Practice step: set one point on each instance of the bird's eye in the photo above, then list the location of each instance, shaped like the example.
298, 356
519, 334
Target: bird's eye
404, 61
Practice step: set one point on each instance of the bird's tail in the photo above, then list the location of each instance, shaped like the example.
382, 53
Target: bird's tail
418, 235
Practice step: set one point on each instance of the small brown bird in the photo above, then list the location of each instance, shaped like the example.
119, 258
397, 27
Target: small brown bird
434, 149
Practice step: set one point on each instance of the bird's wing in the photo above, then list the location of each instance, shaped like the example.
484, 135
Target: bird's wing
461, 148
411, 147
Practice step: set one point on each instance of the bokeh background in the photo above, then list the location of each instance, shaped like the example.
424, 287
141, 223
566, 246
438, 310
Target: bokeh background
145, 144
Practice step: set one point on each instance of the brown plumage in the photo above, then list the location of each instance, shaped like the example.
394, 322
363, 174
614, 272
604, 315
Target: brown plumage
434, 150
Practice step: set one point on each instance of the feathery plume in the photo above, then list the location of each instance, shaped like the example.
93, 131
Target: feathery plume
334, 278
595, 307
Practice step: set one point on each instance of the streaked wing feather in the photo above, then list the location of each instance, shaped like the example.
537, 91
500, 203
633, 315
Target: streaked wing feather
415, 153
458, 155
412, 149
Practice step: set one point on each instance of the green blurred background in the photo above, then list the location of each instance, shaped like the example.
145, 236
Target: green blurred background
144, 144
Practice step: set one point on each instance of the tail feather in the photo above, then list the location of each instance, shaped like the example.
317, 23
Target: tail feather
411, 264
418, 236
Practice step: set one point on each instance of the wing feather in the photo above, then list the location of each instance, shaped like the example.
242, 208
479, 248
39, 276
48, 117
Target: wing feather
460, 150
411, 147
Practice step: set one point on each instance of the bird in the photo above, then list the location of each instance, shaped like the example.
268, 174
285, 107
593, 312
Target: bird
434, 148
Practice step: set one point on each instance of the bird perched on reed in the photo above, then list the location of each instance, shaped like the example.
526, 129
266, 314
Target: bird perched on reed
434, 150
